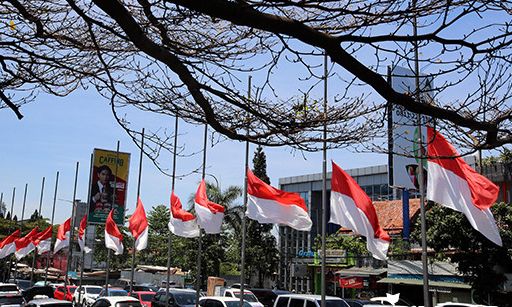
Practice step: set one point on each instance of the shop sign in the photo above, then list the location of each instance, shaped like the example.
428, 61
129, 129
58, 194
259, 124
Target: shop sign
352, 282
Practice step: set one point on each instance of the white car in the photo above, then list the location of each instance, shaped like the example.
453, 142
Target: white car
288, 300
248, 296
117, 301
221, 301
455, 304
50, 302
86, 295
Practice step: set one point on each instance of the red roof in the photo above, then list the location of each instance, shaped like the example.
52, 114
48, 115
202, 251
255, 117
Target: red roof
389, 213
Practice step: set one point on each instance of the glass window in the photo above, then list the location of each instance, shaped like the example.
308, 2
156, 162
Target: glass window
310, 304
129, 304
11, 300
236, 304
296, 302
146, 297
282, 301
247, 296
335, 303
185, 298
93, 290
9, 288
213, 303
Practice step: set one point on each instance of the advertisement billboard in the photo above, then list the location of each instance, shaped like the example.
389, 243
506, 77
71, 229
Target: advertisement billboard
405, 163
109, 181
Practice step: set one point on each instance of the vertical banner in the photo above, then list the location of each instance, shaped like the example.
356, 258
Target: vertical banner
102, 186
404, 132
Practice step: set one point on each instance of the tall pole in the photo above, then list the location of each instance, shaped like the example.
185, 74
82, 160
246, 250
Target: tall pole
53, 216
200, 243
324, 184
421, 180
35, 252
136, 202
169, 239
113, 203
20, 225
242, 256
85, 231
71, 231
12, 216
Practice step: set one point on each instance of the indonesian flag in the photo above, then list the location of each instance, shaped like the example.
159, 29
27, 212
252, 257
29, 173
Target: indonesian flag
7, 246
269, 205
81, 235
62, 236
44, 240
113, 237
454, 184
353, 209
138, 225
26, 244
209, 214
182, 223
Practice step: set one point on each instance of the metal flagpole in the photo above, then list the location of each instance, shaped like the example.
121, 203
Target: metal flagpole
2, 200
200, 243
85, 232
113, 203
12, 216
173, 182
421, 180
324, 184
20, 225
242, 256
53, 215
71, 231
136, 202
35, 252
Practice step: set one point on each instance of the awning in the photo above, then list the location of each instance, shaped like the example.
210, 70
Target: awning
362, 272
419, 282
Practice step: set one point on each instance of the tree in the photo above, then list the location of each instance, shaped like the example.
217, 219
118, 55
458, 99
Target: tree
8, 216
187, 57
480, 261
3, 208
259, 162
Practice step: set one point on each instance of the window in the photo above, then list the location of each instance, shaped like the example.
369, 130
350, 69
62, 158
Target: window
101, 303
296, 302
310, 304
129, 304
213, 303
282, 301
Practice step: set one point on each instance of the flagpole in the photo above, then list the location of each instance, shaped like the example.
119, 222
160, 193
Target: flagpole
12, 216
242, 256
53, 215
421, 180
113, 203
137, 201
85, 230
324, 185
70, 245
21, 224
173, 182
200, 243
36, 250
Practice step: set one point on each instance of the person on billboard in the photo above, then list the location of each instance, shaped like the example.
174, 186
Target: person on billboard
101, 190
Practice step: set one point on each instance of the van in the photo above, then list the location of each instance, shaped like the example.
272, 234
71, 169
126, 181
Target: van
307, 300
248, 296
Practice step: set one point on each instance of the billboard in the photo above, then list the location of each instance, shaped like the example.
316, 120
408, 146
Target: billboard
109, 181
404, 134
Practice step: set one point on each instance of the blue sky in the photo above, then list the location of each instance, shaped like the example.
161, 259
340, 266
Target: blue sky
57, 132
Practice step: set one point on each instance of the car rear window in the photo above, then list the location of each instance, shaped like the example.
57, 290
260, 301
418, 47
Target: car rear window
146, 297
282, 301
296, 302
11, 300
8, 288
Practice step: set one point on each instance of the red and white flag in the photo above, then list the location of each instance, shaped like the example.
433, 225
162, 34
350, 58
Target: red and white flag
209, 214
43, 241
62, 240
81, 235
25, 245
113, 237
138, 225
269, 205
182, 223
353, 209
454, 184
7, 246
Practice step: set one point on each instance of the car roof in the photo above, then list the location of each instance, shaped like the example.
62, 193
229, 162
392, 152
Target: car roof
310, 296
46, 301
117, 299
144, 292
177, 290
236, 290
92, 286
220, 298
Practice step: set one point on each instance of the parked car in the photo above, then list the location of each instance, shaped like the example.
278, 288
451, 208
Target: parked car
248, 296
268, 296
455, 304
62, 294
86, 295
113, 292
221, 301
12, 300
38, 291
142, 287
144, 297
295, 300
9, 289
48, 302
359, 303
177, 298
21, 283
117, 301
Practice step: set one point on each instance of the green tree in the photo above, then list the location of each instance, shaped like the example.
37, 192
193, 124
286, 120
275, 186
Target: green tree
480, 261
259, 162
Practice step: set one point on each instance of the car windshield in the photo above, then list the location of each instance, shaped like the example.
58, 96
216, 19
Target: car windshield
93, 290
185, 298
129, 304
11, 300
247, 296
117, 293
146, 297
236, 304
24, 284
8, 288
58, 305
